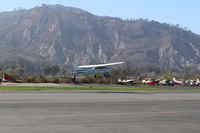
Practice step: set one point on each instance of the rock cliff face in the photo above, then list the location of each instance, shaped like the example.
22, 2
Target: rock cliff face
66, 35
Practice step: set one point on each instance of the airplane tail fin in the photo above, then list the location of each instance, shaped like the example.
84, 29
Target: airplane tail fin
8, 78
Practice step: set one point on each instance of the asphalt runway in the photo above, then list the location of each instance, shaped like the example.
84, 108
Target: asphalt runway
99, 112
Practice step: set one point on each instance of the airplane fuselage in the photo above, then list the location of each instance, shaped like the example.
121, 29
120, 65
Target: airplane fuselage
92, 70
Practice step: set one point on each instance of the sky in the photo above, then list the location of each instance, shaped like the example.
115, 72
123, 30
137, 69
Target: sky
186, 13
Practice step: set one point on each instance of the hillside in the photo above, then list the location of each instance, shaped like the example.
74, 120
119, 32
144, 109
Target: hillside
66, 35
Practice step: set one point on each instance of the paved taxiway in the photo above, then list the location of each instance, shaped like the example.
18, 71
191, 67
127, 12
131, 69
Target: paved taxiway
99, 112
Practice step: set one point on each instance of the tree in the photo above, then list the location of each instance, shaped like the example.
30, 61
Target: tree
50, 70
20, 71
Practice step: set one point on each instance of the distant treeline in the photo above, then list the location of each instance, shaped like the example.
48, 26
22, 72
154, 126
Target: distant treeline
28, 71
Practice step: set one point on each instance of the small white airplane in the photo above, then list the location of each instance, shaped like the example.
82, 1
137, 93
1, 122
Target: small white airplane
177, 82
150, 81
192, 82
92, 69
198, 82
126, 82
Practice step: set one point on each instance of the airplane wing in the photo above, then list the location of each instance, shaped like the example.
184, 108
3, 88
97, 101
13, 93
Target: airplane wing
100, 65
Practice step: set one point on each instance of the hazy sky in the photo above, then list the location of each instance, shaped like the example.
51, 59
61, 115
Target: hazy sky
183, 12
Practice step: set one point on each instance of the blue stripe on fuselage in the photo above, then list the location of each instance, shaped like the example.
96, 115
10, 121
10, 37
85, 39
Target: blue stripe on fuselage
92, 70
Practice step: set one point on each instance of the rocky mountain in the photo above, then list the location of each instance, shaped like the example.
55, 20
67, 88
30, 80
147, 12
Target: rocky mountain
66, 35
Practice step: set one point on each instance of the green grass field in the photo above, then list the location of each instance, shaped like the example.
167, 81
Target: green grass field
31, 88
